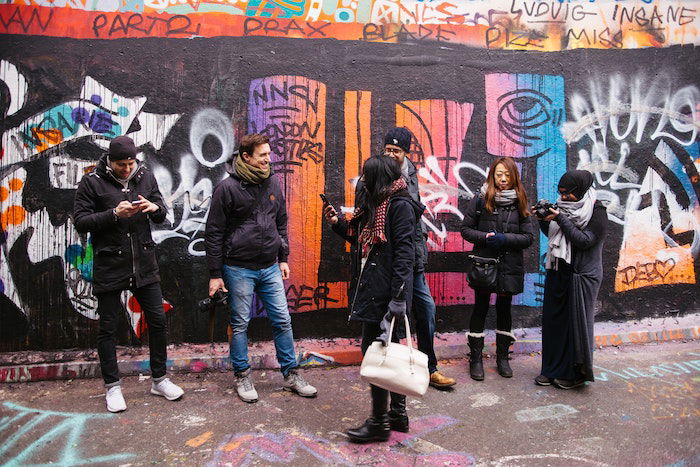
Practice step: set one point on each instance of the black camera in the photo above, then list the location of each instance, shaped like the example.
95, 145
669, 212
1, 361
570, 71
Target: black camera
208, 304
542, 208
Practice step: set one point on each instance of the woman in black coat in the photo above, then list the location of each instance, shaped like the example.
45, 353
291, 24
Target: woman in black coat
576, 230
382, 236
497, 222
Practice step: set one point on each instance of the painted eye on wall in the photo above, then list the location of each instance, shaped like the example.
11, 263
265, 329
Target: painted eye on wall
521, 111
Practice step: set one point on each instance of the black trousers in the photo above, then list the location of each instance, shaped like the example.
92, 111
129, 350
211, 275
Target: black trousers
109, 306
504, 320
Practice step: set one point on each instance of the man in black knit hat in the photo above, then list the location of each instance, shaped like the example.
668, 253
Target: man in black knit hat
397, 145
115, 203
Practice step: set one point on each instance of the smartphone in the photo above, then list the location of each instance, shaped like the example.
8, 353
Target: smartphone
136, 202
324, 198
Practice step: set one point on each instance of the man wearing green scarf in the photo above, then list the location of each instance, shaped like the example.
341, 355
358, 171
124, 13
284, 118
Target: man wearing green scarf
247, 249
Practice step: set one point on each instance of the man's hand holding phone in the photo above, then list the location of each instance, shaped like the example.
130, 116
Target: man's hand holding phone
126, 209
329, 212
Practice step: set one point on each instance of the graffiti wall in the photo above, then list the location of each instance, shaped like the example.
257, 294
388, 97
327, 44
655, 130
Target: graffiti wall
610, 87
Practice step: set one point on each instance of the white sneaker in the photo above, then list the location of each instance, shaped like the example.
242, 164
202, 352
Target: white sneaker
115, 399
294, 382
167, 389
244, 387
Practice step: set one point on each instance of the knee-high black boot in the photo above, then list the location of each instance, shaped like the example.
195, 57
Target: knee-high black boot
375, 428
398, 418
476, 364
503, 341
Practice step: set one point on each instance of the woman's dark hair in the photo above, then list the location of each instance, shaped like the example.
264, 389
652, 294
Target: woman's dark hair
378, 173
490, 196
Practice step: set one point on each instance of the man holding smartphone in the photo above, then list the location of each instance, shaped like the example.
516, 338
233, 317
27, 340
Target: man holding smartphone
115, 204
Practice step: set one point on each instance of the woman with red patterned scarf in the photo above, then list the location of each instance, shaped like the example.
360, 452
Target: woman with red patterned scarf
381, 233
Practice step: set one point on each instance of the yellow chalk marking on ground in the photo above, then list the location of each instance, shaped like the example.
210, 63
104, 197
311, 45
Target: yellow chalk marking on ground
199, 440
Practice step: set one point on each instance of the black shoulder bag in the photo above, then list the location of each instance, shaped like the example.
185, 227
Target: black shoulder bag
483, 272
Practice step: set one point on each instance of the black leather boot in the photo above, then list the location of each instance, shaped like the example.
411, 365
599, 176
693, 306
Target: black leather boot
476, 365
375, 428
398, 418
503, 341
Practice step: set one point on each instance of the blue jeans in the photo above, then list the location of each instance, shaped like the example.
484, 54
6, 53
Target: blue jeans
424, 313
242, 283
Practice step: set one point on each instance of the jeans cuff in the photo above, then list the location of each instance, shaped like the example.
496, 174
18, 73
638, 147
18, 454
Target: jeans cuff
111, 385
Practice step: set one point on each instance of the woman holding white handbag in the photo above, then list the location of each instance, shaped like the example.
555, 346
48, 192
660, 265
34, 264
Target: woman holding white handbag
381, 232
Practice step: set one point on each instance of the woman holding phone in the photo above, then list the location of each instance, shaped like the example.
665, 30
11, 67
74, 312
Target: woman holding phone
381, 233
497, 222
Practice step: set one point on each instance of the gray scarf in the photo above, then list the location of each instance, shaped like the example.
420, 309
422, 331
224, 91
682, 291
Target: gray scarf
580, 213
502, 198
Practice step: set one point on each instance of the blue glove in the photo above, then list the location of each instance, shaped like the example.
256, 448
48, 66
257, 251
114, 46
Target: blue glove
496, 241
397, 309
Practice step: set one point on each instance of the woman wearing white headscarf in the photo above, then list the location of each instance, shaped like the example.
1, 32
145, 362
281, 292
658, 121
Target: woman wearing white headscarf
576, 230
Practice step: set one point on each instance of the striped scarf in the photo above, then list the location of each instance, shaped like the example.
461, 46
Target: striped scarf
373, 234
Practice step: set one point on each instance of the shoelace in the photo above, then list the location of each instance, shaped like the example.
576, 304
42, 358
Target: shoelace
298, 381
247, 384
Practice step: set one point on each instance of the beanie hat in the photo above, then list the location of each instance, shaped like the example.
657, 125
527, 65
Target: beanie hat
400, 137
122, 147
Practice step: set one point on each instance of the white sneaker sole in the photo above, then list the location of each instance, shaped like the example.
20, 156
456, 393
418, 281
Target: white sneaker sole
249, 401
115, 410
158, 393
286, 388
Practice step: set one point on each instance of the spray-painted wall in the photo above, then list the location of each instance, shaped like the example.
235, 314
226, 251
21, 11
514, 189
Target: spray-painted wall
611, 87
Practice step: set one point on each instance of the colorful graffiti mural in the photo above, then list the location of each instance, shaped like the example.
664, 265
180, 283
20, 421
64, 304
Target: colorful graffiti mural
325, 103
536, 25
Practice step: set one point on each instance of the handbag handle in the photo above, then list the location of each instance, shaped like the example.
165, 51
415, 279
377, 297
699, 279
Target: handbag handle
408, 338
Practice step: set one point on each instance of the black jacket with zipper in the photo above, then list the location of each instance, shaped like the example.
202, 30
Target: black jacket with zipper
421, 235
124, 251
389, 265
247, 224
518, 236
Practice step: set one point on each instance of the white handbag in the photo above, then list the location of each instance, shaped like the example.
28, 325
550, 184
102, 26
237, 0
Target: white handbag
396, 367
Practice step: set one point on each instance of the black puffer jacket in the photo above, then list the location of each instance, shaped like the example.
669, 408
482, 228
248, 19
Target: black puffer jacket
388, 266
247, 224
421, 232
518, 236
124, 251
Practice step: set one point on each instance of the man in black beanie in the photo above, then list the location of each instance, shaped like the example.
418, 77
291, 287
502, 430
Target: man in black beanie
115, 203
397, 145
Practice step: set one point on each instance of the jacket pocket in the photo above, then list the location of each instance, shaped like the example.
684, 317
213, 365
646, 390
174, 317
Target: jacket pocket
147, 259
109, 262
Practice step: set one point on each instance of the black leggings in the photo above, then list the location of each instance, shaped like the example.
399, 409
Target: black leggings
504, 320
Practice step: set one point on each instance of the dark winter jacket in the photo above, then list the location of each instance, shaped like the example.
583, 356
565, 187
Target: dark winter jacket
388, 266
124, 251
518, 236
247, 224
421, 234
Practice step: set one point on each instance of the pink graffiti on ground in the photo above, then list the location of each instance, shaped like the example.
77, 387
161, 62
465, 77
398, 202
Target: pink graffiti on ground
245, 448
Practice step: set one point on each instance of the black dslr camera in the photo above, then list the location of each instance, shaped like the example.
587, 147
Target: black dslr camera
542, 208
209, 304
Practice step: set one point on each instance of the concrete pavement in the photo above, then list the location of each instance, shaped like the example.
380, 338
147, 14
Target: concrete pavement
643, 409
196, 358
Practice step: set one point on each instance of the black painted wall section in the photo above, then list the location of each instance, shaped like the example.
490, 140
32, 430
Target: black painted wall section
190, 76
